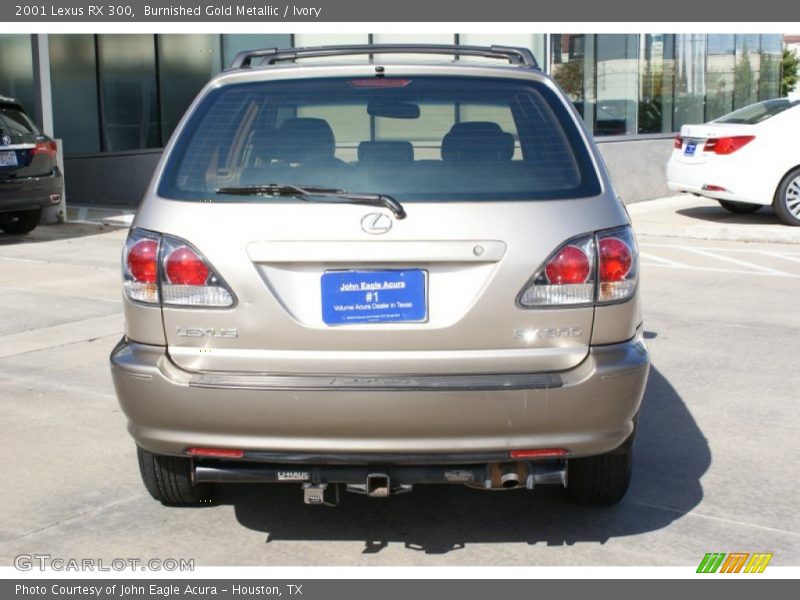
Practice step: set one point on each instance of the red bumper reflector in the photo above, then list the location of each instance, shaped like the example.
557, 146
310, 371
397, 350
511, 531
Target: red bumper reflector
714, 188
215, 452
540, 453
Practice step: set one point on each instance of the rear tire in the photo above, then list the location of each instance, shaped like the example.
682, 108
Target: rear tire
739, 208
169, 479
601, 480
786, 203
20, 221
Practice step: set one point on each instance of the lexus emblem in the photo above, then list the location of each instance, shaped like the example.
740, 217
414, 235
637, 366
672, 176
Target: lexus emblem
376, 223
6, 140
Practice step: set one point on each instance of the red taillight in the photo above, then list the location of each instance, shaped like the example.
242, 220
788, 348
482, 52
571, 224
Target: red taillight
570, 265
184, 267
47, 148
539, 453
615, 259
727, 145
143, 261
215, 452
678, 143
379, 82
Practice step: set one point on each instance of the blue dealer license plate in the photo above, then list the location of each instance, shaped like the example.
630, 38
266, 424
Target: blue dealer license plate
352, 297
691, 147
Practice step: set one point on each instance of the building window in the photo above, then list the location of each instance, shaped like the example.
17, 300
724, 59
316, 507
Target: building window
73, 73
656, 83
185, 64
129, 92
16, 69
232, 44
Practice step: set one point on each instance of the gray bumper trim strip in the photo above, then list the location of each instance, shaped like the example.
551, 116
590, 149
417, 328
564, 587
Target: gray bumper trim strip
389, 383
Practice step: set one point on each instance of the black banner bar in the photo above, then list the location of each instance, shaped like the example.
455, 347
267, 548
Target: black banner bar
733, 588
440, 11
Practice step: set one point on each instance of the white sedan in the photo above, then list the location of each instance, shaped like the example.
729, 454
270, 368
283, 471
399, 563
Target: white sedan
745, 160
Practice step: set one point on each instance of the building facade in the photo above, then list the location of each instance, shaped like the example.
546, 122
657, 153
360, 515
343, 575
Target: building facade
113, 100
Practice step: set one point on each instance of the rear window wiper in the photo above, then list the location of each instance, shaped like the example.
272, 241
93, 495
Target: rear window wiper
308, 193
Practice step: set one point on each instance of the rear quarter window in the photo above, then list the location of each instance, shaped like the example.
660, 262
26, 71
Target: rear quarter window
758, 113
416, 138
14, 121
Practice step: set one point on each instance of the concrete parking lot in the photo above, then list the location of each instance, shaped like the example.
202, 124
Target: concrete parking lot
716, 457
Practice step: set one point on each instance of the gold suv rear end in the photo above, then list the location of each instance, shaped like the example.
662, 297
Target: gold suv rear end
366, 276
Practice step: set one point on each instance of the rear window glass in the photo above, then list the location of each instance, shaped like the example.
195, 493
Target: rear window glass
415, 138
756, 113
15, 122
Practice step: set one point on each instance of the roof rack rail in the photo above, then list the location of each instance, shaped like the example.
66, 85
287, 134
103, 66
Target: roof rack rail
516, 56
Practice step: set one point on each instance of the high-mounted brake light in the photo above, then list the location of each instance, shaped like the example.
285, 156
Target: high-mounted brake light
379, 82
164, 269
727, 145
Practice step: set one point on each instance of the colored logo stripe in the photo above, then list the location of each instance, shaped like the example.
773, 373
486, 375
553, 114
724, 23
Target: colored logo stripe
758, 562
711, 562
735, 562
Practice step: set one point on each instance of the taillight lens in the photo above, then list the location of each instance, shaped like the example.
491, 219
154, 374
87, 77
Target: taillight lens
616, 259
727, 145
48, 148
678, 143
140, 266
566, 278
617, 265
184, 267
185, 278
572, 276
189, 279
569, 266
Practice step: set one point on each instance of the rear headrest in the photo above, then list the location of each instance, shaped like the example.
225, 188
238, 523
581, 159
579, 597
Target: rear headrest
304, 140
477, 141
385, 152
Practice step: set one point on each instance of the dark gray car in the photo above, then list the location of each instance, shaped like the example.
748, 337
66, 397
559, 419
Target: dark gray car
30, 179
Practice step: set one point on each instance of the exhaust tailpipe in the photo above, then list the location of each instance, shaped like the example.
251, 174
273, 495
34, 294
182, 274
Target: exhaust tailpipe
509, 477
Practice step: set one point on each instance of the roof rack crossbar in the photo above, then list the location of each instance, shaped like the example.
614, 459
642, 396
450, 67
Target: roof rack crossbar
514, 55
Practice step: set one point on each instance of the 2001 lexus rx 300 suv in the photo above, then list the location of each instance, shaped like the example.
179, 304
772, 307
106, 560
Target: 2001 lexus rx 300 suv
371, 275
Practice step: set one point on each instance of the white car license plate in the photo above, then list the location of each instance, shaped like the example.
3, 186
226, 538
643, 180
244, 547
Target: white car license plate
8, 159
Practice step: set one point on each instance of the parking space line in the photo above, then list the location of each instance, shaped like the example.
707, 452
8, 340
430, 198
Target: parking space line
709, 249
735, 261
718, 270
783, 255
663, 261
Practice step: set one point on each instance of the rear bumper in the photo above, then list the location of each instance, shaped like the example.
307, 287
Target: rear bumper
28, 193
740, 185
325, 419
